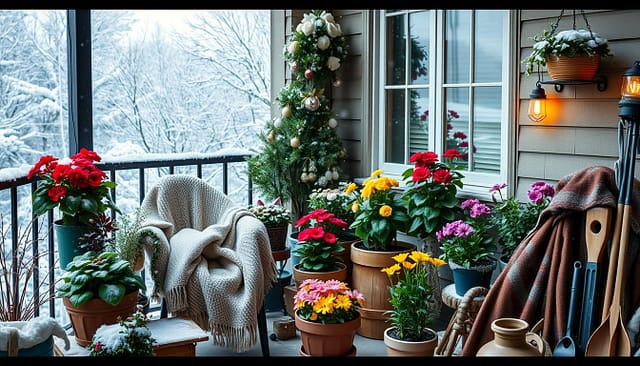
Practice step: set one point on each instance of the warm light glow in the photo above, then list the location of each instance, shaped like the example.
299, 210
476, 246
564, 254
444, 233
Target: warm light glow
537, 109
631, 87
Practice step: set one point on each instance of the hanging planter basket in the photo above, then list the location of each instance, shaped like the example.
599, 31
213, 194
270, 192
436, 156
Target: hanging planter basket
579, 67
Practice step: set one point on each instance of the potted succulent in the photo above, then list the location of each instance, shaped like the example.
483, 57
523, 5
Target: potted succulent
81, 192
556, 50
513, 220
130, 337
414, 289
326, 314
468, 246
98, 285
276, 218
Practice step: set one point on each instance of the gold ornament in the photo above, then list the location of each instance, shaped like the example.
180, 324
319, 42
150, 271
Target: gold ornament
295, 142
286, 111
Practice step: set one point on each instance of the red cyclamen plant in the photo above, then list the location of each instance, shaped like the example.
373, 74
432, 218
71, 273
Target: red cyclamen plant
317, 242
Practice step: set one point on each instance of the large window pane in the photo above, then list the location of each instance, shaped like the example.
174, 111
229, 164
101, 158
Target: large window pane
396, 49
419, 52
486, 129
394, 128
419, 121
458, 24
488, 33
456, 121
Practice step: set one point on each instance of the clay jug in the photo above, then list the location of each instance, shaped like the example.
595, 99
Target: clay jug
512, 338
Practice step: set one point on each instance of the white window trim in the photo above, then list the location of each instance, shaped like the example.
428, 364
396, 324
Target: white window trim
476, 184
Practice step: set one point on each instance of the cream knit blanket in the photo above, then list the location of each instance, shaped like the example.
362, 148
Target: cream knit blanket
214, 262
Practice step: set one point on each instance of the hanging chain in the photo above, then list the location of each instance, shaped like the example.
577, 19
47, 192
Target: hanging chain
584, 16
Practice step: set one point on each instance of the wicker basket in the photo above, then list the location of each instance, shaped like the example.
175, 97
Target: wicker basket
578, 67
277, 238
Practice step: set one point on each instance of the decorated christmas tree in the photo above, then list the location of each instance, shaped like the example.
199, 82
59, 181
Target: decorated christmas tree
301, 148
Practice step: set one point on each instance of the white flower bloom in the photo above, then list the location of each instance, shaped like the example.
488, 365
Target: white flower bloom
293, 47
323, 42
299, 27
333, 30
333, 63
328, 17
331, 196
308, 28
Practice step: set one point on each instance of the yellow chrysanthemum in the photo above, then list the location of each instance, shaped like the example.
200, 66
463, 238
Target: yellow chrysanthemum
383, 184
343, 302
350, 188
377, 173
385, 211
367, 191
437, 262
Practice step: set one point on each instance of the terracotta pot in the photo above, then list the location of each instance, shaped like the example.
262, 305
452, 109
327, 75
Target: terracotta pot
88, 317
512, 338
300, 275
368, 278
327, 339
398, 347
578, 67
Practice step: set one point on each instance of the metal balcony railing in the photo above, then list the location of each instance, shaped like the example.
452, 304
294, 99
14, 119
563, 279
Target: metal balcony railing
223, 170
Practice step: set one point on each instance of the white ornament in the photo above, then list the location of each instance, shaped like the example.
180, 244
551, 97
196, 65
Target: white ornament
328, 175
312, 103
286, 111
337, 83
333, 123
295, 67
334, 174
277, 123
322, 182
312, 167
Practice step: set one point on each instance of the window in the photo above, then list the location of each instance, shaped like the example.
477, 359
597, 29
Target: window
443, 84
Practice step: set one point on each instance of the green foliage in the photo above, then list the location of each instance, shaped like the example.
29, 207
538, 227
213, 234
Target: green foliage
468, 242
413, 296
380, 211
105, 276
432, 186
513, 220
127, 240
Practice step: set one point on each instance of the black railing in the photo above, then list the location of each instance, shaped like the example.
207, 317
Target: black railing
18, 190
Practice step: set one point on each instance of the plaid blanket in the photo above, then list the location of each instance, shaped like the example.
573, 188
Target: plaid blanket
536, 283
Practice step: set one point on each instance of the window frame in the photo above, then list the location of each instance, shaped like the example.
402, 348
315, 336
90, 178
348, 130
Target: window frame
476, 184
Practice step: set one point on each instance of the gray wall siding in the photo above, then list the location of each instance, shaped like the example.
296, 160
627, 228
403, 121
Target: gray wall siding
581, 127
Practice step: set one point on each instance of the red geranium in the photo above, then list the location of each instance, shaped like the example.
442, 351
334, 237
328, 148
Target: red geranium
432, 186
79, 189
317, 242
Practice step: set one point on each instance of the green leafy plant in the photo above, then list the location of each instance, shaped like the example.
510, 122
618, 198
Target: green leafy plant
79, 189
317, 242
468, 242
101, 234
105, 276
513, 220
431, 191
130, 337
380, 211
127, 240
327, 302
413, 294
565, 43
